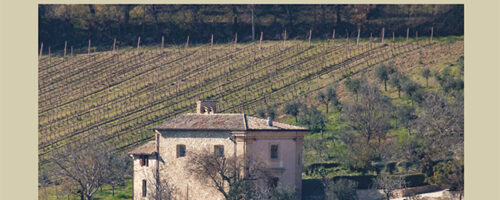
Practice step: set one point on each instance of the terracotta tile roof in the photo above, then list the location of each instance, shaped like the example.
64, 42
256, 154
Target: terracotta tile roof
146, 149
255, 123
221, 121
193, 121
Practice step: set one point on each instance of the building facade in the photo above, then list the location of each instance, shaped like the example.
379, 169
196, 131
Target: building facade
278, 145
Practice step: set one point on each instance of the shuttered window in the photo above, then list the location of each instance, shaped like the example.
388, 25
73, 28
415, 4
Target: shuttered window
181, 150
274, 151
144, 189
219, 150
144, 160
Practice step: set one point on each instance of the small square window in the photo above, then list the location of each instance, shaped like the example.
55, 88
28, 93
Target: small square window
219, 150
181, 150
274, 151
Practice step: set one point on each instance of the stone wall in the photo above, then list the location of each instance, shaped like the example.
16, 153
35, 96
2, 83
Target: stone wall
174, 168
143, 173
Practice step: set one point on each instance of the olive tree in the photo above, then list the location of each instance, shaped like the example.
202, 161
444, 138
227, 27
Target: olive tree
329, 97
292, 108
426, 73
383, 72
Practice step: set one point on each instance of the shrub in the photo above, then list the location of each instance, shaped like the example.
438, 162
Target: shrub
342, 189
390, 167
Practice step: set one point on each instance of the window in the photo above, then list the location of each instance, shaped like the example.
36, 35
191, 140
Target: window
144, 160
181, 150
274, 152
144, 190
219, 150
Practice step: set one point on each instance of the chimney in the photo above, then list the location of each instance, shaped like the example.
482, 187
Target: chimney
269, 121
206, 106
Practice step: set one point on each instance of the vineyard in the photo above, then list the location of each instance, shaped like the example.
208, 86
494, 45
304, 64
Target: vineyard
124, 93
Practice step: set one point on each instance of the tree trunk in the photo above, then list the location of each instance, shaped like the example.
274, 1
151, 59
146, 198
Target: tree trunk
427, 82
385, 85
326, 108
399, 92
113, 189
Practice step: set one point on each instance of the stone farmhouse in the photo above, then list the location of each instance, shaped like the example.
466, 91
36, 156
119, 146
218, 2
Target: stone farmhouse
278, 145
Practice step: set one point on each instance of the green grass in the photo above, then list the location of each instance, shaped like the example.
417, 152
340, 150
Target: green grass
122, 192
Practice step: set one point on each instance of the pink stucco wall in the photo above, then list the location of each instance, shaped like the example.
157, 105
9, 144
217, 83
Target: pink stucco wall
287, 157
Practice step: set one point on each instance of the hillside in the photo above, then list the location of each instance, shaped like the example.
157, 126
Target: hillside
124, 93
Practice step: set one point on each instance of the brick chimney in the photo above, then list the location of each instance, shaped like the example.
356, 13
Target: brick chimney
206, 106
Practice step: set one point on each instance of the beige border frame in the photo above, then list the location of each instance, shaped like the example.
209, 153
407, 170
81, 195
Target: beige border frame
18, 92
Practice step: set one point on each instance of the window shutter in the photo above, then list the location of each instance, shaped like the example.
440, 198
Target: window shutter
144, 190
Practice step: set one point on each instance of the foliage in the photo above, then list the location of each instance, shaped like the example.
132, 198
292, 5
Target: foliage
397, 80
383, 72
369, 117
389, 183
102, 23
330, 96
406, 116
282, 192
342, 189
292, 108
314, 119
426, 73
448, 82
354, 85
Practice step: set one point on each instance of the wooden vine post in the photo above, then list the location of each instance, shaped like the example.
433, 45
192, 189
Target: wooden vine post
187, 43
88, 50
432, 32
212, 42
65, 46
357, 39
138, 43
114, 45
284, 39
333, 36
310, 33
235, 38
260, 42
49, 56
382, 34
162, 42
407, 33
41, 50
71, 50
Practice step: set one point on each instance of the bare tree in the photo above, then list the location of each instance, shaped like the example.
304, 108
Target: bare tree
86, 165
118, 169
224, 173
369, 116
160, 188
389, 183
